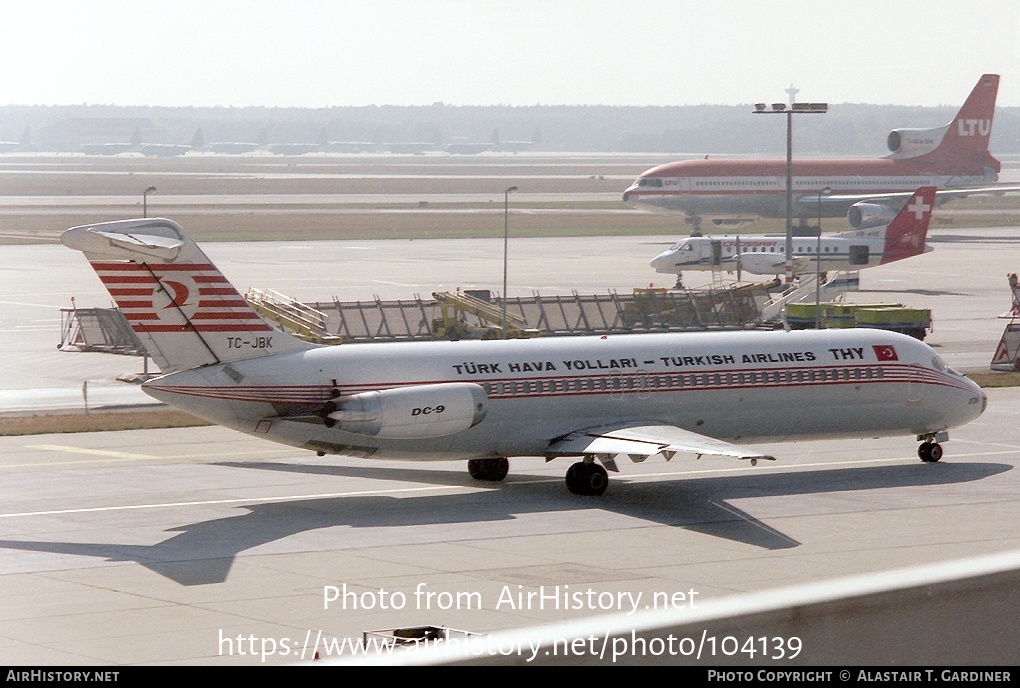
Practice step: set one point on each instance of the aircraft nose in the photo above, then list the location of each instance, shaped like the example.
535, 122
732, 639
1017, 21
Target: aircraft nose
663, 262
977, 401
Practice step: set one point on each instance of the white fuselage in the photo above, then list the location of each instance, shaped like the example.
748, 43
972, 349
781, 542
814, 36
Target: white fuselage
736, 386
766, 255
765, 196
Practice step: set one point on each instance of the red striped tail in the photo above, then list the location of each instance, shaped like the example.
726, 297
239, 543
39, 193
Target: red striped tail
177, 302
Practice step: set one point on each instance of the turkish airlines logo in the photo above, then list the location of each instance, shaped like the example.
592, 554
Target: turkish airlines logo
181, 293
175, 295
885, 352
973, 127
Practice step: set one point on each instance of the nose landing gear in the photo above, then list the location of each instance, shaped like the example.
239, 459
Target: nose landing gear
929, 452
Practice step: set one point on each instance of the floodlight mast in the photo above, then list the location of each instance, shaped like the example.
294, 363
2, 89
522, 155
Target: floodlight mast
794, 109
506, 241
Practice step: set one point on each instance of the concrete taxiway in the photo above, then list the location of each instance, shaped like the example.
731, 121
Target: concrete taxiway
201, 546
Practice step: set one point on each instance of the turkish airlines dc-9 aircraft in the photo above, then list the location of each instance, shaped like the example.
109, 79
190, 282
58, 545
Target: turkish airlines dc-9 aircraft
954, 158
599, 398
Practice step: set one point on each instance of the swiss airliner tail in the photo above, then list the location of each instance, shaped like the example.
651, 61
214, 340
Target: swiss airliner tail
906, 235
178, 303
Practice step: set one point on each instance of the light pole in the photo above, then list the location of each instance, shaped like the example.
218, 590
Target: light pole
145, 200
818, 257
795, 109
506, 243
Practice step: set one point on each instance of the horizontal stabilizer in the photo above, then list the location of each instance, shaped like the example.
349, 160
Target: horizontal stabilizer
147, 244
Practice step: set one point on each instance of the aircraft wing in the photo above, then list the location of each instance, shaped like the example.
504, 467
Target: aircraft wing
640, 441
767, 263
811, 200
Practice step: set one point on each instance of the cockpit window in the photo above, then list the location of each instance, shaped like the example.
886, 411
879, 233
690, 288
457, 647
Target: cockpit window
940, 365
681, 246
652, 182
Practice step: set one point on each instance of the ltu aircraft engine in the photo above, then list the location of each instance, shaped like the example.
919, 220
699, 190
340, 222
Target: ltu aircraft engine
409, 412
910, 143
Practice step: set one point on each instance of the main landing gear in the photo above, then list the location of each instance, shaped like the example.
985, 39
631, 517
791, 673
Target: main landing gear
587, 478
584, 477
929, 452
492, 470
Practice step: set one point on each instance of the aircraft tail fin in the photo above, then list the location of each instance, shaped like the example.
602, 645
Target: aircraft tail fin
178, 303
965, 142
906, 235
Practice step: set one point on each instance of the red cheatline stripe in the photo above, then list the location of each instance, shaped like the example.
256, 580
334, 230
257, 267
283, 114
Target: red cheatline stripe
203, 328
224, 303
271, 395
217, 291
141, 316
211, 279
225, 316
132, 303
155, 267
127, 279
145, 291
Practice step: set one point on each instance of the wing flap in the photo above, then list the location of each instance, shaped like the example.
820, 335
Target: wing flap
645, 440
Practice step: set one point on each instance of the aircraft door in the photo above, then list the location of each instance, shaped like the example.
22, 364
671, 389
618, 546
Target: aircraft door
716, 252
859, 255
915, 385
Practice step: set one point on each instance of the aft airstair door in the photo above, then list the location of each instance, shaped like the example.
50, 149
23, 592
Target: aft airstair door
716, 252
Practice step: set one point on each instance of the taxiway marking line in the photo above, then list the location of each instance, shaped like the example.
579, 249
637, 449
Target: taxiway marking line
434, 488
820, 464
96, 452
115, 456
214, 502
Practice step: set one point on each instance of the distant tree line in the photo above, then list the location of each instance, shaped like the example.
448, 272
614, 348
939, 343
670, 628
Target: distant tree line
847, 129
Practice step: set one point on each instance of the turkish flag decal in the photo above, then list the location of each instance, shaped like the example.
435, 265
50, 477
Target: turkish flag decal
885, 352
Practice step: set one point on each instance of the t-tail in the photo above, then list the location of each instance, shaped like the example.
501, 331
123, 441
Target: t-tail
907, 234
963, 149
178, 303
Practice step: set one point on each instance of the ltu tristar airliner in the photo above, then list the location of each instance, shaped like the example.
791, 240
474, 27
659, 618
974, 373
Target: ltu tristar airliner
954, 158
902, 238
598, 398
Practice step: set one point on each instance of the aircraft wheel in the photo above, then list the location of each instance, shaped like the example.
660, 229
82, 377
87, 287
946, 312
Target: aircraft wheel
930, 452
492, 470
589, 479
573, 480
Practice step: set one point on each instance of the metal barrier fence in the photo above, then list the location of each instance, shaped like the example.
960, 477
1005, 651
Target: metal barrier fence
644, 310
461, 316
97, 329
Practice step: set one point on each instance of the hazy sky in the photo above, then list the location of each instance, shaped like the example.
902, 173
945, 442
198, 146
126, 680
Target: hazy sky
517, 52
